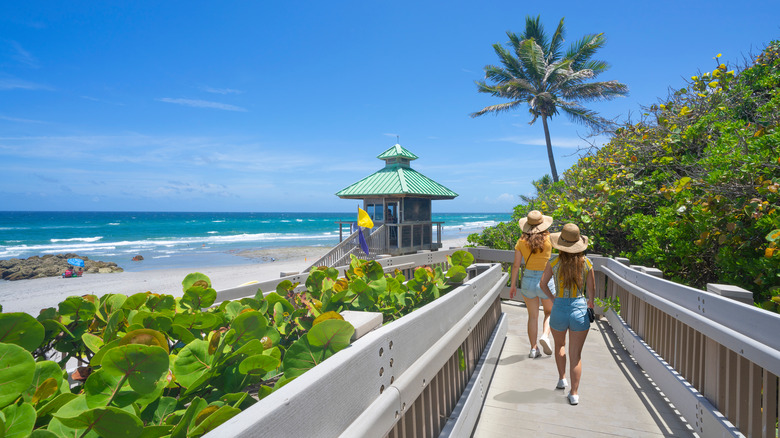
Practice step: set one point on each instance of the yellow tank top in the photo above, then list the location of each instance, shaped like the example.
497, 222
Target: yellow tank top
534, 262
560, 292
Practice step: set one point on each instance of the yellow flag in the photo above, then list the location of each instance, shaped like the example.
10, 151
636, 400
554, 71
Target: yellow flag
364, 220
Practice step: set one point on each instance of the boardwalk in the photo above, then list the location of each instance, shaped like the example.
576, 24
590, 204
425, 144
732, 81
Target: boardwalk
616, 398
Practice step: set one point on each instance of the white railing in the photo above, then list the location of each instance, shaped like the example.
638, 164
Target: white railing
339, 255
716, 359
406, 378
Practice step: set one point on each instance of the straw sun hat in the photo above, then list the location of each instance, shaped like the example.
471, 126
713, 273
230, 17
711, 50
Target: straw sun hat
569, 240
535, 222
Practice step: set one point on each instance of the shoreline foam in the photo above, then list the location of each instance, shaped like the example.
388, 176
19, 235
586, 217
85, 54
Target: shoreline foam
32, 295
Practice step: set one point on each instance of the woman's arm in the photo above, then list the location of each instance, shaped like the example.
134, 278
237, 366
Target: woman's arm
546, 276
515, 269
591, 288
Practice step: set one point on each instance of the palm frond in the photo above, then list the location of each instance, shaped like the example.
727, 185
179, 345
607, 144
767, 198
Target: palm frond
584, 116
588, 92
497, 74
581, 51
512, 64
502, 107
533, 60
598, 67
554, 53
535, 30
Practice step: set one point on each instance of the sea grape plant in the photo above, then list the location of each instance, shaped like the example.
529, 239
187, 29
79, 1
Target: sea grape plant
152, 365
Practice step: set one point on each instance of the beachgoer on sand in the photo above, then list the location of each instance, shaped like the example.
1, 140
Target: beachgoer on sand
573, 275
532, 252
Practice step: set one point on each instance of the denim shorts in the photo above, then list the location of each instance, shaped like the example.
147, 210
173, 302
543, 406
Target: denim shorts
529, 285
570, 313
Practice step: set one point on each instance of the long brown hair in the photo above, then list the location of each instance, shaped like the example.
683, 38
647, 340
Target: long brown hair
570, 270
536, 241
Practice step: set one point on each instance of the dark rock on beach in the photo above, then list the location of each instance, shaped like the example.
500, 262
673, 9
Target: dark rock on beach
50, 265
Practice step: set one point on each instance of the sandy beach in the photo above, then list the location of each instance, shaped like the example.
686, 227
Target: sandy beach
33, 295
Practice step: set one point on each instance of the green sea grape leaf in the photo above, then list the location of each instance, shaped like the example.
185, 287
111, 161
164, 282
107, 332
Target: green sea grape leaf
19, 420
107, 422
248, 326
135, 301
56, 403
42, 433
258, 364
182, 333
17, 370
98, 357
205, 422
233, 308
192, 362
186, 422
198, 297
195, 279
76, 309
321, 342
159, 303
143, 365
21, 329
273, 298
93, 342
157, 411
457, 274
100, 387
205, 321
145, 337
70, 409
155, 431
112, 325
46, 389
44, 370
461, 258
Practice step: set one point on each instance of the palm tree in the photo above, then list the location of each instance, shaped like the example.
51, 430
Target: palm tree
541, 75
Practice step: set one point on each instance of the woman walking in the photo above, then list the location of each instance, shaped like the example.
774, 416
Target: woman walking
573, 276
532, 251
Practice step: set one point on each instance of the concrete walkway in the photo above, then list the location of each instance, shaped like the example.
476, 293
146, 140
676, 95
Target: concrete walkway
616, 397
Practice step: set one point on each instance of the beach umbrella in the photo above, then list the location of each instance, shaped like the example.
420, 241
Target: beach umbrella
76, 262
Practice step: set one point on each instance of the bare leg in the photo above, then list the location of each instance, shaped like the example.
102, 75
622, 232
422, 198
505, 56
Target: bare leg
577, 340
532, 305
547, 306
560, 352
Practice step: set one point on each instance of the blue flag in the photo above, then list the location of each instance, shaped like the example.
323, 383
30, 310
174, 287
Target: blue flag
363, 244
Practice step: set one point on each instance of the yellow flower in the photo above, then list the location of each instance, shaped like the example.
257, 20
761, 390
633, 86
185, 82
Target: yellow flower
685, 111
716, 73
713, 84
662, 106
722, 66
693, 78
719, 55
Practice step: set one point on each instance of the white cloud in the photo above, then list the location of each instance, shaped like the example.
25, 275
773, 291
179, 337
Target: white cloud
18, 84
559, 142
16, 119
504, 198
23, 56
221, 90
196, 103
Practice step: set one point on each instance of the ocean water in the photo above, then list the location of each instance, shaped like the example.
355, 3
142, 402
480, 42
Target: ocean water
168, 240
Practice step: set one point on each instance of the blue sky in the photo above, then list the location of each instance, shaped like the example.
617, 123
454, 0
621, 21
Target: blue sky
275, 106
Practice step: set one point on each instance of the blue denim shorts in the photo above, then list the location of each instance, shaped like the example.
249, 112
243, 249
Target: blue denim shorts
529, 285
570, 313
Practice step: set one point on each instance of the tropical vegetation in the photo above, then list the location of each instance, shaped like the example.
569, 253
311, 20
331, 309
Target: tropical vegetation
152, 365
538, 73
692, 188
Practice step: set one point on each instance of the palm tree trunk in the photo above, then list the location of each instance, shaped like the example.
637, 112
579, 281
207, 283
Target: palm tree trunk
549, 149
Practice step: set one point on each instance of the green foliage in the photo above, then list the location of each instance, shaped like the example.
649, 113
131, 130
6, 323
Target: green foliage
164, 366
692, 188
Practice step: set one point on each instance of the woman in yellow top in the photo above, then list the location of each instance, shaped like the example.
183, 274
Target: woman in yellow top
533, 250
573, 275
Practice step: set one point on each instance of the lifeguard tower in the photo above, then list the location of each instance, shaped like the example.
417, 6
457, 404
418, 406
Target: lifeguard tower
398, 200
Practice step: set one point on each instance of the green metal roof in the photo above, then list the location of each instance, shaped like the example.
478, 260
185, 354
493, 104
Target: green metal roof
397, 151
397, 180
